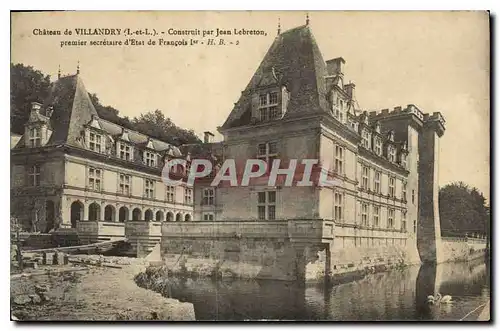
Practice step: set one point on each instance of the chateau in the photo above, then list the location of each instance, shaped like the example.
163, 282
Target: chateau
297, 106
70, 165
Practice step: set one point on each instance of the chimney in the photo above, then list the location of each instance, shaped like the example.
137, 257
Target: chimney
36, 106
208, 137
349, 89
334, 66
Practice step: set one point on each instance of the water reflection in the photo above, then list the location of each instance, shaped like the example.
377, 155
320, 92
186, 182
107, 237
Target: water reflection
394, 295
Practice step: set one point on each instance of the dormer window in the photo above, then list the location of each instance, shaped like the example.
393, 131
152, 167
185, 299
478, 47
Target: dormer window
35, 137
95, 142
125, 151
149, 158
391, 153
403, 160
365, 135
268, 106
378, 146
338, 110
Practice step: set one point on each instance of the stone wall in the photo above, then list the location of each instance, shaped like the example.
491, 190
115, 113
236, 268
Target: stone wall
461, 249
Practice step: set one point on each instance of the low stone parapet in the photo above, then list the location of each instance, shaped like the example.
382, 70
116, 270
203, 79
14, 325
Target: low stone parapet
94, 231
142, 236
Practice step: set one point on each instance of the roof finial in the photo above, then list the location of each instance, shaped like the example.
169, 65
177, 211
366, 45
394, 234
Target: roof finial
279, 26
59, 72
78, 67
307, 18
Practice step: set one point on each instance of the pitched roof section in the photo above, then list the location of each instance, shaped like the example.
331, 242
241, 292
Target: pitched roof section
295, 60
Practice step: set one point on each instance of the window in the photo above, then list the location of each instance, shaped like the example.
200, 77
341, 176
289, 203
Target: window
364, 178
403, 192
95, 142
364, 214
34, 175
170, 196
392, 187
268, 106
95, 177
378, 146
35, 137
125, 152
149, 188
414, 226
403, 221
124, 184
149, 159
338, 205
188, 195
376, 216
376, 182
365, 135
208, 216
391, 153
390, 218
339, 159
208, 196
403, 160
268, 152
266, 205
338, 110
413, 196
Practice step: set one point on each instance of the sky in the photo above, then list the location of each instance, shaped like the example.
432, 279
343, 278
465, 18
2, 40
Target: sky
438, 61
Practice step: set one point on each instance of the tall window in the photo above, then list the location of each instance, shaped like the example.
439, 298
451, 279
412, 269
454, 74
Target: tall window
403, 160
338, 205
149, 188
125, 152
364, 177
124, 184
266, 205
365, 135
413, 196
149, 158
188, 195
376, 216
268, 152
208, 216
364, 214
170, 193
391, 153
95, 177
339, 159
392, 187
403, 192
95, 142
378, 146
268, 106
208, 196
390, 218
403, 220
35, 137
414, 226
376, 181
34, 175
338, 110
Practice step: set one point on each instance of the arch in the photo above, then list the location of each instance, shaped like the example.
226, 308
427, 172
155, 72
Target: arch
50, 215
136, 214
94, 211
170, 216
187, 218
76, 213
178, 217
123, 214
109, 213
148, 215
159, 216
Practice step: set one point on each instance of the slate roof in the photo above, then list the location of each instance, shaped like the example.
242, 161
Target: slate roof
295, 61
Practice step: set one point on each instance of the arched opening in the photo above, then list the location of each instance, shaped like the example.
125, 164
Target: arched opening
148, 215
159, 216
187, 218
49, 215
136, 214
109, 213
170, 217
94, 211
76, 213
178, 217
123, 214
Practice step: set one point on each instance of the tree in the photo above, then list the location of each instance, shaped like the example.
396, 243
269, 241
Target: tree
26, 86
462, 210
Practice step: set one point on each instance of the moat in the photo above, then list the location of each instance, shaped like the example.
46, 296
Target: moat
393, 295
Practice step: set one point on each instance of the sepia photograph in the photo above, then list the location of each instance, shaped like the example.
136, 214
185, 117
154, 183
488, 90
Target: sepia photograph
193, 166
